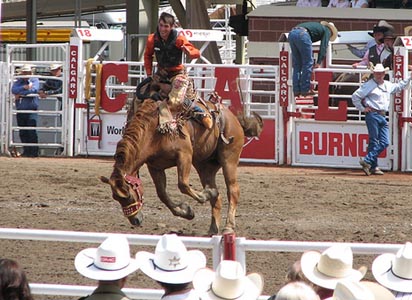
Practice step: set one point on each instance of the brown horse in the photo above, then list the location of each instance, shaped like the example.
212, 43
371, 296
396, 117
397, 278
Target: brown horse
206, 149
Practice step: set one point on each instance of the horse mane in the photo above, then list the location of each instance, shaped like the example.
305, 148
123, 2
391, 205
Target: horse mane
129, 146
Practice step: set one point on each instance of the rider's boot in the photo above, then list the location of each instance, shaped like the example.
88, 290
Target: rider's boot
203, 117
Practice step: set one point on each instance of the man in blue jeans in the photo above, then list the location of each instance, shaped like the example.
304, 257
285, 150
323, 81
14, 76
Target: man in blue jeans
373, 98
300, 39
25, 90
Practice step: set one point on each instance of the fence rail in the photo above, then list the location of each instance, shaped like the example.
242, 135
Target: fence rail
242, 245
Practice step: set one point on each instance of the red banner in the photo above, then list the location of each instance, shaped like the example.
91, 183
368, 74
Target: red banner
283, 78
73, 71
398, 75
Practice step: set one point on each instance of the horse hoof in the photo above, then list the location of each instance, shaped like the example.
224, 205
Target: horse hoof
189, 214
137, 219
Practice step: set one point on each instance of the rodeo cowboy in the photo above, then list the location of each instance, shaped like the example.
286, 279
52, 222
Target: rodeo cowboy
168, 46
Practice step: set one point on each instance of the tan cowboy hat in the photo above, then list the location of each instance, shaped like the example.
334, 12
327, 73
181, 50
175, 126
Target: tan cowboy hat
110, 261
327, 268
25, 68
364, 290
394, 271
171, 262
55, 66
332, 28
228, 282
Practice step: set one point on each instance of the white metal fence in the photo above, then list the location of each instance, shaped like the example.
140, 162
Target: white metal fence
242, 246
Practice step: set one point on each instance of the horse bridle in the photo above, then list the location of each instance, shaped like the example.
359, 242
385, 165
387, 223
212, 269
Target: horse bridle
136, 184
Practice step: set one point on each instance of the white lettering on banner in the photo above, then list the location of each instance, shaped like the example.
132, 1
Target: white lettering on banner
398, 74
283, 80
74, 50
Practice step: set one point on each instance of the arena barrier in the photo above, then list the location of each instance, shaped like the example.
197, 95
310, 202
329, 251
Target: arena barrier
241, 247
324, 131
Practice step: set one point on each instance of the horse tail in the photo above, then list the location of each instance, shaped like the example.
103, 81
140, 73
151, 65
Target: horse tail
252, 126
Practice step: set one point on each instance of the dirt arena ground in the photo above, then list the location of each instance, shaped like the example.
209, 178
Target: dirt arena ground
277, 203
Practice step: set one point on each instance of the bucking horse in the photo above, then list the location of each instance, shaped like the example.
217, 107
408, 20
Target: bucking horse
208, 150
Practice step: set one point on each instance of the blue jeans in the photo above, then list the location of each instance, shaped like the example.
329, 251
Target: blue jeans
30, 135
302, 61
378, 130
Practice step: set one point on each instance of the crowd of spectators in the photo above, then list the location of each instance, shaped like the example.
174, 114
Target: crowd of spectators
183, 274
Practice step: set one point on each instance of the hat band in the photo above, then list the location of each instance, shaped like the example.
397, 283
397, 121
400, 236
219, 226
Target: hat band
161, 269
213, 292
396, 275
108, 270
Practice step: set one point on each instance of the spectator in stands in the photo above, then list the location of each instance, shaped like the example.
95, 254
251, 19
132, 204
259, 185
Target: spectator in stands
13, 281
109, 264
309, 3
296, 290
327, 268
227, 282
339, 3
301, 38
354, 290
373, 98
377, 35
359, 4
168, 46
394, 271
173, 267
388, 41
25, 90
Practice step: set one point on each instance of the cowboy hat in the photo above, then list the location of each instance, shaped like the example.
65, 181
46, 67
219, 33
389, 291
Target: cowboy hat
55, 66
382, 26
394, 271
327, 268
171, 262
110, 261
228, 282
364, 290
332, 28
26, 68
378, 68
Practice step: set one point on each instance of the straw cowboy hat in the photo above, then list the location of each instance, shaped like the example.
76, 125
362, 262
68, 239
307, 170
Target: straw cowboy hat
26, 68
327, 268
332, 28
110, 261
394, 271
171, 262
55, 66
228, 282
364, 290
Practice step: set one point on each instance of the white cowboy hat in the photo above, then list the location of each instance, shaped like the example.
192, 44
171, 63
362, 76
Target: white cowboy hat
55, 66
394, 271
364, 290
110, 261
332, 28
26, 68
379, 68
228, 282
333, 265
171, 262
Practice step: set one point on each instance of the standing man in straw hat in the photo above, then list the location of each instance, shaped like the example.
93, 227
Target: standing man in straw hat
373, 98
109, 264
25, 90
301, 38
173, 267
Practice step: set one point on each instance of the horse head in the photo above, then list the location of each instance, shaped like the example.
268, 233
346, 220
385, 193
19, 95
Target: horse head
128, 191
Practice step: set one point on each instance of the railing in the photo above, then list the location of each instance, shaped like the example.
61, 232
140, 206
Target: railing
242, 245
